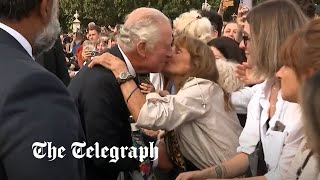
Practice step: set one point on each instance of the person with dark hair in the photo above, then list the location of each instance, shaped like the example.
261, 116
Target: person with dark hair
54, 61
36, 111
227, 48
230, 30
308, 7
215, 19
76, 42
94, 33
228, 55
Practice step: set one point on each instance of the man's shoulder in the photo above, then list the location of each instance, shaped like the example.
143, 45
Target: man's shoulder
93, 75
19, 69
93, 80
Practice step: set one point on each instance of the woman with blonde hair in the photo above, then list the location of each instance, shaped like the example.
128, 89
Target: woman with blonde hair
194, 24
273, 131
198, 111
102, 44
300, 55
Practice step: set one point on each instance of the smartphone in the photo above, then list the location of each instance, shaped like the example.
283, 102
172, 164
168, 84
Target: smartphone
246, 3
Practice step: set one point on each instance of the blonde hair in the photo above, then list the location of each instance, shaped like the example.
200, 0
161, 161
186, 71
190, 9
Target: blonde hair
102, 39
271, 22
87, 46
194, 25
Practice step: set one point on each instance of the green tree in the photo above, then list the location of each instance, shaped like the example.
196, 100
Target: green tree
111, 12
67, 10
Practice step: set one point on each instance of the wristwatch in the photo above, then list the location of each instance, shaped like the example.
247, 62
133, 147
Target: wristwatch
124, 77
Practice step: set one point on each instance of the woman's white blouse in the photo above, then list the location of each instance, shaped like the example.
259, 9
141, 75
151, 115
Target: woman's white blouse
279, 147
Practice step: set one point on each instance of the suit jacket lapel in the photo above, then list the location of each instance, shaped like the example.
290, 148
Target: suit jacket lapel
8, 40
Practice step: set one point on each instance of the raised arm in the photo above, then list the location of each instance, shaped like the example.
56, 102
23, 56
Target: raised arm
130, 90
234, 167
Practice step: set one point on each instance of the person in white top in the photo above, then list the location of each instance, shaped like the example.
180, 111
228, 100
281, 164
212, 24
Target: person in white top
271, 120
301, 58
206, 127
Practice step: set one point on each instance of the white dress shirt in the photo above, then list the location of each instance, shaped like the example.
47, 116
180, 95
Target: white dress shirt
241, 98
22, 40
279, 147
128, 63
157, 80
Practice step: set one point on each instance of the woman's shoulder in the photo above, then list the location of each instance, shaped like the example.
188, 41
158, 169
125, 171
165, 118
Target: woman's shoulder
196, 85
193, 81
200, 89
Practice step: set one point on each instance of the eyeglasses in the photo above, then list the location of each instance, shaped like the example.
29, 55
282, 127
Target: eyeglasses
245, 38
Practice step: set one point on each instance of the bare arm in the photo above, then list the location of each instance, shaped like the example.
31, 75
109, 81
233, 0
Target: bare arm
240, 21
251, 178
234, 167
136, 100
130, 91
221, 9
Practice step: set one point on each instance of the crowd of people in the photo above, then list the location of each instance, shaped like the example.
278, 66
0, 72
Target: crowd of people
219, 100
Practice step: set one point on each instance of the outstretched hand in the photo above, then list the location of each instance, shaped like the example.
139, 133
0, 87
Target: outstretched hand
244, 73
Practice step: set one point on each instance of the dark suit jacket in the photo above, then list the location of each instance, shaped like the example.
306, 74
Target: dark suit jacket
105, 117
34, 107
54, 61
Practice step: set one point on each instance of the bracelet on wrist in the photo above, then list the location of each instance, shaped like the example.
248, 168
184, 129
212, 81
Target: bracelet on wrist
132, 94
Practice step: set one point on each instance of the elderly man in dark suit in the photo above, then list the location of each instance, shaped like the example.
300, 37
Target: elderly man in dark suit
35, 107
145, 45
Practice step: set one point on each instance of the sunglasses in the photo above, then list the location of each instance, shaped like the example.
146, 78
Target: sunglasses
245, 38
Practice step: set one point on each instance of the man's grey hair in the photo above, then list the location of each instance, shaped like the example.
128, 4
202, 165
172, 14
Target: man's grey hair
145, 28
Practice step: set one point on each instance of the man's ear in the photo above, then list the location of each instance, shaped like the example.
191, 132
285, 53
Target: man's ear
45, 10
142, 49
